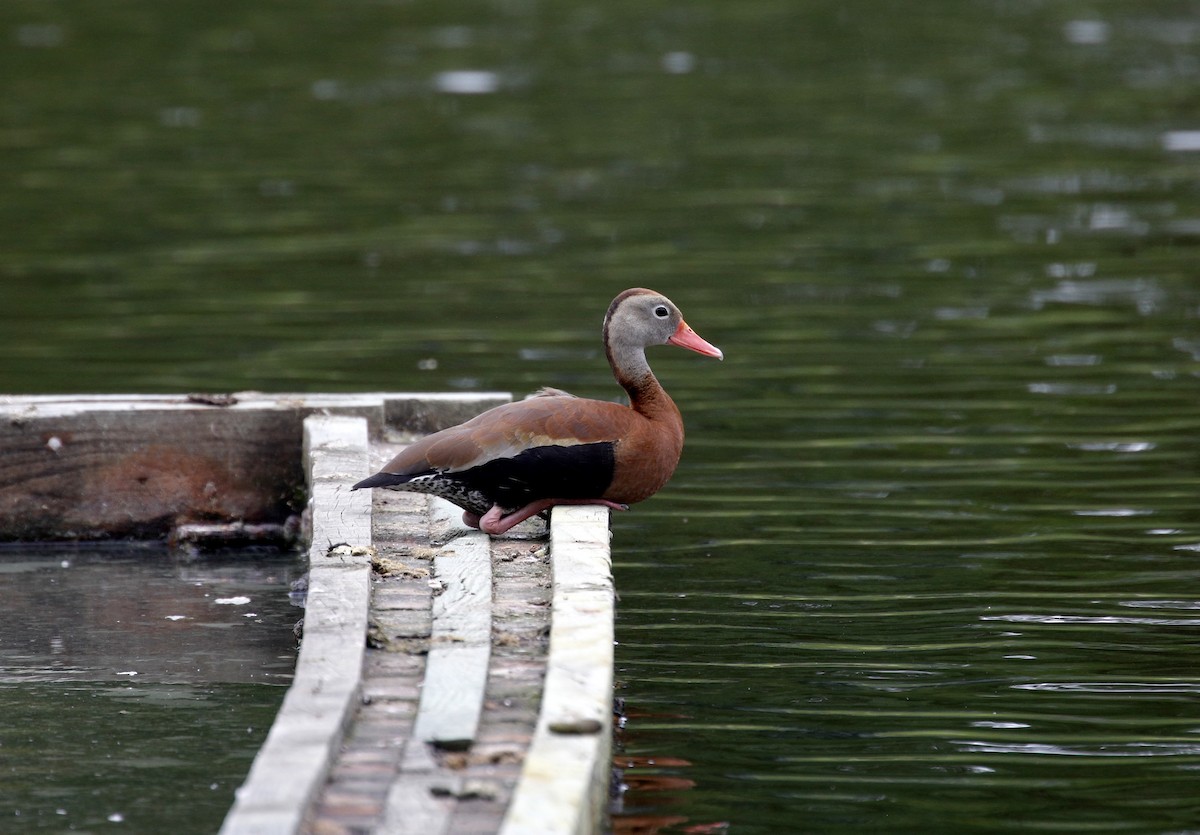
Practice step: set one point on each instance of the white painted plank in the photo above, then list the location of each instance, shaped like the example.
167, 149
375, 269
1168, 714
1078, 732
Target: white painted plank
294, 761
460, 644
462, 613
452, 696
334, 452
445, 522
413, 808
420, 800
564, 782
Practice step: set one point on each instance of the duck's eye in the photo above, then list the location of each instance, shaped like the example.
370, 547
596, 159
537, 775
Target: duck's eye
661, 311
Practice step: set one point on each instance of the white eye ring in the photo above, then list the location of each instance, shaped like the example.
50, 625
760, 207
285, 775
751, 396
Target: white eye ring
661, 311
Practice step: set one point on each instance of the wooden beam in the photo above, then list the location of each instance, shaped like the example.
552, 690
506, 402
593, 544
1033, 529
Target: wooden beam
422, 797
460, 645
137, 466
564, 783
294, 761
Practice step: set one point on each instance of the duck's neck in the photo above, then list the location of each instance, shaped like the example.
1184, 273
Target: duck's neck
646, 395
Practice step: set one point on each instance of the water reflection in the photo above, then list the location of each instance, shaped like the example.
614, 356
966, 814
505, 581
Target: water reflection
82, 756
79, 615
158, 666
467, 82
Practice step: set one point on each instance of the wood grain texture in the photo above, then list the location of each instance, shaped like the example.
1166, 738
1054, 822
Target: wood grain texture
460, 646
456, 671
103, 466
564, 783
292, 764
335, 452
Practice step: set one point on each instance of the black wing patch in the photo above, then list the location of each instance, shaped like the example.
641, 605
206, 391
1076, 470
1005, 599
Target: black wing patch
582, 471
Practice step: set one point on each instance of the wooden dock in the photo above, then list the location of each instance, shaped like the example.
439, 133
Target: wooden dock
447, 682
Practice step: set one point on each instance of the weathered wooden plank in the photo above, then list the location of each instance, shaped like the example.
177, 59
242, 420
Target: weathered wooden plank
294, 761
99, 466
421, 801
452, 696
462, 613
456, 672
137, 473
564, 783
335, 452
445, 522
417, 805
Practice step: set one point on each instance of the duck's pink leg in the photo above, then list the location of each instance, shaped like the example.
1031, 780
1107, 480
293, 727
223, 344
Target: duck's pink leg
494, 522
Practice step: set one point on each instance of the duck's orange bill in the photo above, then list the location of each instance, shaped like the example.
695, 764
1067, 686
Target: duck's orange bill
685, 337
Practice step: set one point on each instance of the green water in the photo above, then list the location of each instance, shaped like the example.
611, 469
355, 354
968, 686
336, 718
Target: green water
143, 758
930, 561
136, 686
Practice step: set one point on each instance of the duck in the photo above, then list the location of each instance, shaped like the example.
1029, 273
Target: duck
521, 459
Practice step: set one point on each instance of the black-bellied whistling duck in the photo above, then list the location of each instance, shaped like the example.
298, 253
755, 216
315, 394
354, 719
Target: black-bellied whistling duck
520, 459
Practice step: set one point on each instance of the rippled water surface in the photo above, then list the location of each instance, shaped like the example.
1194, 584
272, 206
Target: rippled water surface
136, 687
930, 561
